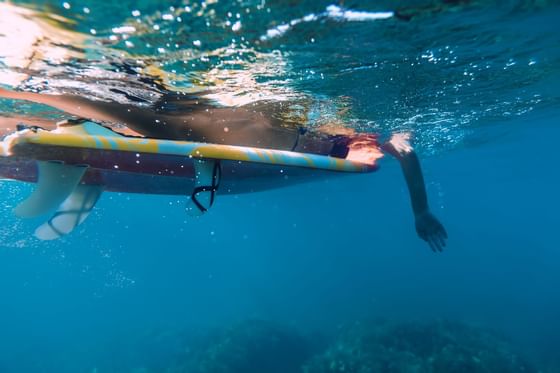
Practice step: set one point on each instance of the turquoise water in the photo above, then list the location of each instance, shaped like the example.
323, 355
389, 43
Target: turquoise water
327, 276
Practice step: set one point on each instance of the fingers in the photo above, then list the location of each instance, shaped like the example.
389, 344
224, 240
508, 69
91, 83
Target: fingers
432, 244
432, 240
435, 244
437, 240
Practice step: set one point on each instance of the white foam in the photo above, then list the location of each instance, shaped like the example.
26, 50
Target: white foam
333, 12
124, 30
337, 12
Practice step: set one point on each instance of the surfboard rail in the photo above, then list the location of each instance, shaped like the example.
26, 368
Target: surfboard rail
24, 143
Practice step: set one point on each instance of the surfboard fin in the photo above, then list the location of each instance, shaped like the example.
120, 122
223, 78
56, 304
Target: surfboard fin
207, 180
71, 213
55, 182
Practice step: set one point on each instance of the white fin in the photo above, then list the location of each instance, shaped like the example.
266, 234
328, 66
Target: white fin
55, 183
71, 213
207, 179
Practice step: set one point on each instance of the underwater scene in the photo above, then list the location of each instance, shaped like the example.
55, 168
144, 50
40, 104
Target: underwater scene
279, 186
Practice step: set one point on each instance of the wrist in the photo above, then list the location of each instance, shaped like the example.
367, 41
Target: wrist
421, 212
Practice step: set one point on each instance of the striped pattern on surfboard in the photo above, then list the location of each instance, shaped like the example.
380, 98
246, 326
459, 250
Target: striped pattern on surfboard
194, 150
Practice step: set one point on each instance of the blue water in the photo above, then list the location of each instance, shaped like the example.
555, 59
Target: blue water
275, 281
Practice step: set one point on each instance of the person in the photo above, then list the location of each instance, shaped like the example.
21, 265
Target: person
142, 105
193, 120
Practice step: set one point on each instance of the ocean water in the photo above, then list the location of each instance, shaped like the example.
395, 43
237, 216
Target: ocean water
327, 276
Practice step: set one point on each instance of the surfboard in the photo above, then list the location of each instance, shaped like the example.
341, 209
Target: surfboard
73, 164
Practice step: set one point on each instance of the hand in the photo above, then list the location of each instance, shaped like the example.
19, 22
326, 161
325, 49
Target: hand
431, 230
401, 143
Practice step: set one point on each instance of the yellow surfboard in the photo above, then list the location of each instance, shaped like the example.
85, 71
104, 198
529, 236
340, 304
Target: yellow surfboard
75, 163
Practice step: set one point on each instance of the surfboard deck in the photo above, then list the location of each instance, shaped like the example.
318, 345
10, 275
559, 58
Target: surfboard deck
96, 146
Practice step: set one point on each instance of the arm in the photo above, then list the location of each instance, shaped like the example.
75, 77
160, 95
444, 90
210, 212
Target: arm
428, 226
189, 120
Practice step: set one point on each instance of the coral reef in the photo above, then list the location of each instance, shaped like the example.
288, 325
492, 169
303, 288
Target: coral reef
447, 347
257, 346
249, 347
